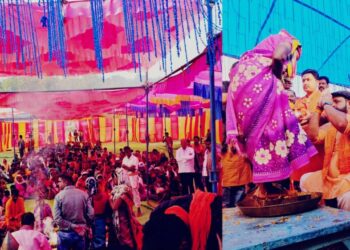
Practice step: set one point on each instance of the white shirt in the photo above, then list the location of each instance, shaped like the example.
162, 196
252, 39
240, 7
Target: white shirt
133, 176
205, 163
29, 239
132, 161
185, 160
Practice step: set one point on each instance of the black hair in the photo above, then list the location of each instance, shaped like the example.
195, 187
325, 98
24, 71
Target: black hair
68, 179
312, 72
28, 219
324, 78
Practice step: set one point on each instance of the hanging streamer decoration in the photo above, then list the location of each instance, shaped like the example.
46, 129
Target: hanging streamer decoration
161, 18
97, 25
56, 35
18, 36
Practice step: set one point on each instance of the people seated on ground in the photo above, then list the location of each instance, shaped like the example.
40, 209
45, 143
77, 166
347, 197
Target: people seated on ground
190, 222
14, 209
334, 178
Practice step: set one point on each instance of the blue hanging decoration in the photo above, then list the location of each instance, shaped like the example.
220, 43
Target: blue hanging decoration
164, 29
183, 34
141, 26
176, 28
146, 28
137, 44
97, 25
169, 36
43, 21
199, 16
153, 31
161, 42
17, 32
187, 22
196, 32
56, 35
3, 25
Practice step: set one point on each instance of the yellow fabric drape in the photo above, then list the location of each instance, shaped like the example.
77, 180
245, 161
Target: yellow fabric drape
130, 128
168, 125
36, 133
55, 135
22, 129
182, 129
117, 129
102, 122
151, 127
137, 129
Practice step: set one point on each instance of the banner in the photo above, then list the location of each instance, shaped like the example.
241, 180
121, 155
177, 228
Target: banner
174, 127
142, 126
122, 129
109, 129
159, 129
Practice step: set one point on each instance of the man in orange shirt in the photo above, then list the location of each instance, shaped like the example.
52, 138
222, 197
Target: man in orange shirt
236, 174
14, 209
334, 178
304, 107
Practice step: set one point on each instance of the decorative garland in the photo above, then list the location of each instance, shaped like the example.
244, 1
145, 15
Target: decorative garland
17, 30
97, 25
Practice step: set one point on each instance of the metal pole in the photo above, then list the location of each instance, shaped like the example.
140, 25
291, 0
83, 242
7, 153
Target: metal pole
114, 131
147, 134
211, 56
127, 125
13, 134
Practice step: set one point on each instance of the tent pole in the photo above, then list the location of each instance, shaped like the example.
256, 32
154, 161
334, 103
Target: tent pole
147, 135
127, 125
211, 56
13, 134
114, 110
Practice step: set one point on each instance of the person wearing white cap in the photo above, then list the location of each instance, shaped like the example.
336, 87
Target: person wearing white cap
130, 165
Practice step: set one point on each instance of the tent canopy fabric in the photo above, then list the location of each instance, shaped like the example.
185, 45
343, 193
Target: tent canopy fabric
71, 104
322, 26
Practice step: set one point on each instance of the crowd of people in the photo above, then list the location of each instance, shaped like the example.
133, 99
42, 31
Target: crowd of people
95, 192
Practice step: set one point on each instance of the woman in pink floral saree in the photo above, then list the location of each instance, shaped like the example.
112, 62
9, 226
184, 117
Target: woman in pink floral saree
259, 119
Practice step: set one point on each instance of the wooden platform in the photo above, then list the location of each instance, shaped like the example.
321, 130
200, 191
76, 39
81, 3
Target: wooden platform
310, 230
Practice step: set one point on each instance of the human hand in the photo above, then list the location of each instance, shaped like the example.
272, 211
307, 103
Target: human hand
326, 98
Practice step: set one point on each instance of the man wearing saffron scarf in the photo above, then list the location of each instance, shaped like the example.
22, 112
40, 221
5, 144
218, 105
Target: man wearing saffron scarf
259, 119
304, 107
334, 178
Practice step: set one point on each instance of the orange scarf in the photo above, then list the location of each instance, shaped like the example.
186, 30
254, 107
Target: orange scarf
199, 209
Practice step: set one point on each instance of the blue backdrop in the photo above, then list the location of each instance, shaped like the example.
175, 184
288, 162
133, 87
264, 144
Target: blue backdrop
322, 26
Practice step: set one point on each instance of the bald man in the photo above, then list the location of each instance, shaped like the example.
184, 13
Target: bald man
185, 161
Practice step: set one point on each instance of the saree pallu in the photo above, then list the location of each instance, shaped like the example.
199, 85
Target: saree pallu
260, 120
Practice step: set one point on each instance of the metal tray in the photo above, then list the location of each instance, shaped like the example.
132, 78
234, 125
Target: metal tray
254, 207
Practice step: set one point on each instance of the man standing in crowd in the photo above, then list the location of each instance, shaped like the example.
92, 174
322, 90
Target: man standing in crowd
185, 160
198, 162
73, 213
130, 164
21, 146
323, 83
169, 144
305, 106
334, 178
236, 175
27, 237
